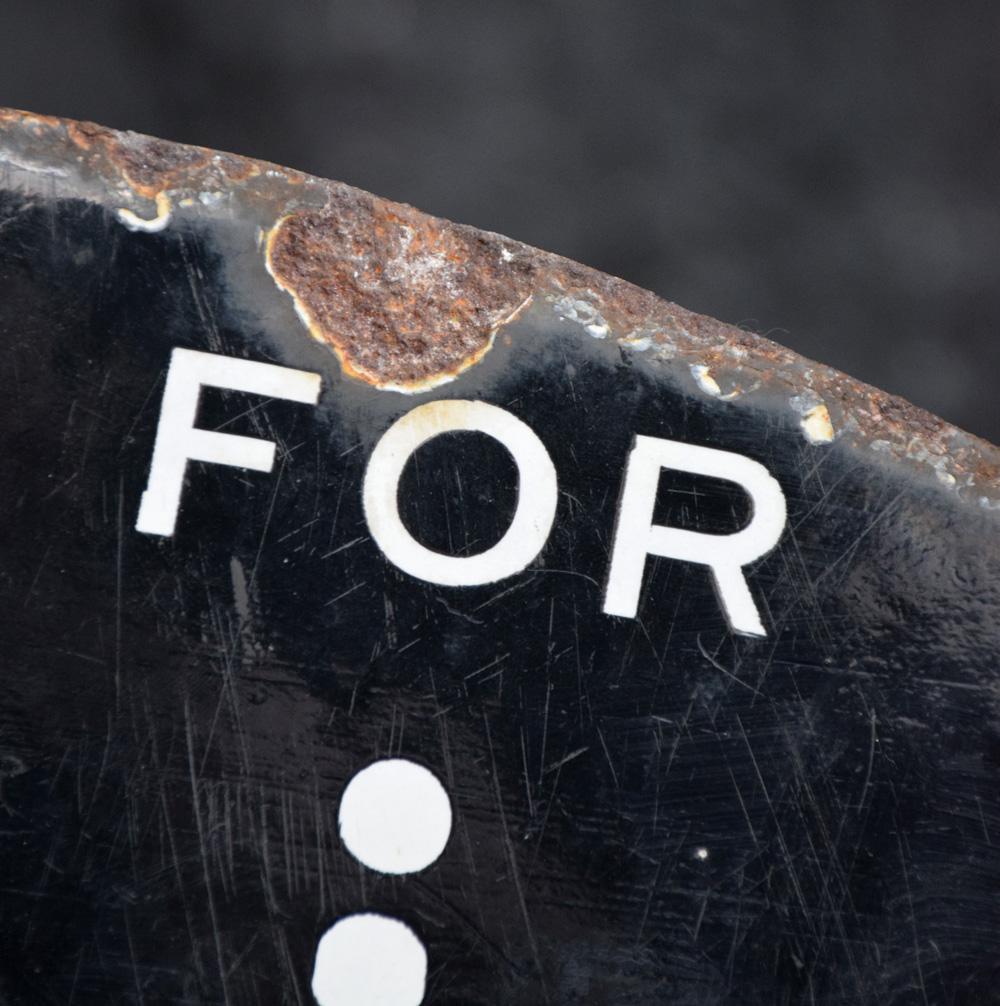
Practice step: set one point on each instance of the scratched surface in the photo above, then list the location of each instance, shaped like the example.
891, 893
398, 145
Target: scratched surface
646, 811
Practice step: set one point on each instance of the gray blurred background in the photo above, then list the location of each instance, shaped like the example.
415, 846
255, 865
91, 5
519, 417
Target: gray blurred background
826, 174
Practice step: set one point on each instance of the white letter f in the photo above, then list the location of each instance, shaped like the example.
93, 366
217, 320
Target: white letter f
179, 441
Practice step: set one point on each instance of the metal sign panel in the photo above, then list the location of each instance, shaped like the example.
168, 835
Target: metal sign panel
395, 613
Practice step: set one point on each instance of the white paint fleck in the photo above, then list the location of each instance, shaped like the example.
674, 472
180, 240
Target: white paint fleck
638, 340
935, 458
710, 386
583, 313
701, 853
703, 378
815, 422
149, 226
507, 256
817, 426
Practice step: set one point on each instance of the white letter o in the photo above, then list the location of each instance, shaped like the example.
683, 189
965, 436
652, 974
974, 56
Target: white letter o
536, 498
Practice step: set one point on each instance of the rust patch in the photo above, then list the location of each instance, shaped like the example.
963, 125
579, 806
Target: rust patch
148, 165
406, 301
29, 120
237, 169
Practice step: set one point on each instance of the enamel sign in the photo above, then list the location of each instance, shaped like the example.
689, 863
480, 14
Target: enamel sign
396, 614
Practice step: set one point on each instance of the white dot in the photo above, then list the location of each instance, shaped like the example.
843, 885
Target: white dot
369, 960
701, 853
395, 817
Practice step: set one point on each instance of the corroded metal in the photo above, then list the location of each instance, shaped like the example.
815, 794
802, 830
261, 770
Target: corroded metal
407, 301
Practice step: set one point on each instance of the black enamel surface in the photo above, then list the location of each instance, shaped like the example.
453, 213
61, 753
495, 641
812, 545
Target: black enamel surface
646, 811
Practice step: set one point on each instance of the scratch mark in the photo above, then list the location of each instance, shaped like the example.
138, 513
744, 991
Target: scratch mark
512, 859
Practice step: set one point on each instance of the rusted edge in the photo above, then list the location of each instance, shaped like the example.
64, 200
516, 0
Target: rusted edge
408, 301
